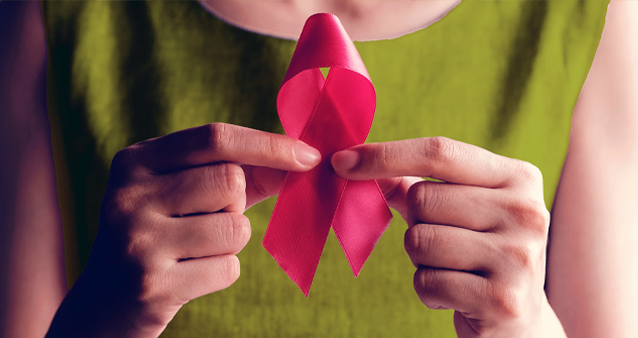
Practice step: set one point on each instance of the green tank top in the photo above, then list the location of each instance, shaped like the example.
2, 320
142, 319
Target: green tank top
503, 75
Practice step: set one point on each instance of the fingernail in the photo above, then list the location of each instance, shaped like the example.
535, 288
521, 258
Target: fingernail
345, 159
306, 155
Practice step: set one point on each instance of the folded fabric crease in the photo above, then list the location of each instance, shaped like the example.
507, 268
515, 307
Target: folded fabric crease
329, 114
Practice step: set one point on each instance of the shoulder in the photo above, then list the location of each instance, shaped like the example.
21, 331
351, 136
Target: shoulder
606, 115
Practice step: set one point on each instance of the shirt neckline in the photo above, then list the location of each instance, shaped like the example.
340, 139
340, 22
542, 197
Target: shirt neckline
438, 22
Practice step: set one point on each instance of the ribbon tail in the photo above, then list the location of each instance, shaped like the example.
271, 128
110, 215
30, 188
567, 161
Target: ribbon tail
299, 226
329, 115
361, 218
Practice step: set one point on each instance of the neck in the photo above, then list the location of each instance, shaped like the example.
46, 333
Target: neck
364, 20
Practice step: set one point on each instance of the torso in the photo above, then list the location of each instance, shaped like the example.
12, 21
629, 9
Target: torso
364, 20
485, 74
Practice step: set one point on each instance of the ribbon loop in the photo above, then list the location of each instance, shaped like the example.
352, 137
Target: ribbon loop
330, 115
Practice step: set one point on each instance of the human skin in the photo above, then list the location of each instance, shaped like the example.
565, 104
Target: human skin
591, 265
363, 20
171, 223
492, 204
32, 277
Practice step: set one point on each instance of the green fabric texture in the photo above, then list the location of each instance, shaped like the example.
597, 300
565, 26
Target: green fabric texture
503, 75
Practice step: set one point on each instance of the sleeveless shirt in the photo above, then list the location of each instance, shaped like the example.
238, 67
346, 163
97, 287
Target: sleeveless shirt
503, 75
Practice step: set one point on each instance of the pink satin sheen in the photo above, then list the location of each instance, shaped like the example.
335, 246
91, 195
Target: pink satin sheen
330, 115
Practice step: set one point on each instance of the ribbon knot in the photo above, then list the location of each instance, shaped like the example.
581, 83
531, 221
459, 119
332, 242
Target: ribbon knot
329, 114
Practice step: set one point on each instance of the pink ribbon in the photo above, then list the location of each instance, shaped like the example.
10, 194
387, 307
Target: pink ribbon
330, 115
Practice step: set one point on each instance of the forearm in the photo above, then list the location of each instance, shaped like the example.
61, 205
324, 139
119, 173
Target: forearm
34, 265
593, 251
31, 259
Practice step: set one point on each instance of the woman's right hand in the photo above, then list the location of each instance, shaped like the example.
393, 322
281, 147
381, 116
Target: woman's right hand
171, 224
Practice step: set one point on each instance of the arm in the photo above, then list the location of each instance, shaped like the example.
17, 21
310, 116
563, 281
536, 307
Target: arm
593, 256
32, 275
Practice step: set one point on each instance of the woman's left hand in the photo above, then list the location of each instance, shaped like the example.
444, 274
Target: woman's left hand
478, 240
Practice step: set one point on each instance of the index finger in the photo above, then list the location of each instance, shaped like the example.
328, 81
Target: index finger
221, 142
435, 157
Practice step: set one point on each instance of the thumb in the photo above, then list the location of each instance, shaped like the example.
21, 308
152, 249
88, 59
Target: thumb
261, 183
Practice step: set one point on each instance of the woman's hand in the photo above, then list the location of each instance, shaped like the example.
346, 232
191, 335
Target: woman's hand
478, 240
171, 223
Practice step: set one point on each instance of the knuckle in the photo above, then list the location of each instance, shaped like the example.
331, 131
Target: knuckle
121, 160
229, 179
145, 270
507, 301
139, 244
418, 240
154, 290
426, 284
521, 257
411, 241
125, 186
219, 137
149, 286
529, 172
531, 215
415, 196
440, 149
119, 205
235, 179
123, 167
127, 199
425, 198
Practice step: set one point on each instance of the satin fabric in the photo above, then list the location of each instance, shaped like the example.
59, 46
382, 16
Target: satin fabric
330, 115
